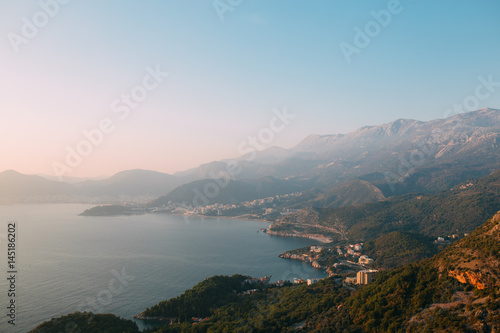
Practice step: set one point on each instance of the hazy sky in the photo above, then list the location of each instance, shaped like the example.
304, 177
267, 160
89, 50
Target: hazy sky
100, 66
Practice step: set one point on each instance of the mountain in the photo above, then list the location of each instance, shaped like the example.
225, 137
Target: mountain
349, 193
15, 184
17, 187
130, 183
399, 248
401, 157
228, 191
455, 211
69, 179
455, 291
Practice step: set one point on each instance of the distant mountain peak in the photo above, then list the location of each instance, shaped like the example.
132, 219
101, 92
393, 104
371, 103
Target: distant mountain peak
10, 172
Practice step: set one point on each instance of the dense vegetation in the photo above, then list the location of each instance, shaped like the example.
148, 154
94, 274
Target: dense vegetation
349, 193
202, 299
399, 300
87, 322
272, 310
459, 210
399, 248
387, 304
107, 210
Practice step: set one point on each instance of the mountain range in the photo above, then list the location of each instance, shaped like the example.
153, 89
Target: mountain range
130, 184
404, 156
400, 157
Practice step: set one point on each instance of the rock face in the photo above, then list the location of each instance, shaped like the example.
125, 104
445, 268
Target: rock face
469, 277
475, 259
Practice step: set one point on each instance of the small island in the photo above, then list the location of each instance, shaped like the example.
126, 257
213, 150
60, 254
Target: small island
111, 210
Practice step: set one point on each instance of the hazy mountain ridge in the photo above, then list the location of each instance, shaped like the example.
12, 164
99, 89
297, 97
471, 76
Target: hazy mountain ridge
400, 157
131, 182
228, 191
388, 153
13, 183
17, 187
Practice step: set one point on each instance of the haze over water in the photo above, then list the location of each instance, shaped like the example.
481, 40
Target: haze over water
68, 262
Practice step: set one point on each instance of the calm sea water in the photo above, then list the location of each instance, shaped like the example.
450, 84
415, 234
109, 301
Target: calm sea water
122, 265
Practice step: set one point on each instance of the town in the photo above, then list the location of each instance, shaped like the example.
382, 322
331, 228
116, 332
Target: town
346, 263
269, 208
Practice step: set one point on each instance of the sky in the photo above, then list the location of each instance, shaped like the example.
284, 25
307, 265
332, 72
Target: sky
90, 88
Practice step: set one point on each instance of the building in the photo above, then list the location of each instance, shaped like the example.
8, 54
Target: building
279, 283
364, 260
269, 211
351, 280
316, 248
311, 281
358, 247
366, 276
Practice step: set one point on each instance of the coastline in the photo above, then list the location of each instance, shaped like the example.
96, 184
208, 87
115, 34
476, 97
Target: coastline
247, 217
241, 217
319, 238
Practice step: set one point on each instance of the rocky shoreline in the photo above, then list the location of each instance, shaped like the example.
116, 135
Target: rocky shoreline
318, 237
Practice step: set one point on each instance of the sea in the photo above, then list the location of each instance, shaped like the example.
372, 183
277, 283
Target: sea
123, 264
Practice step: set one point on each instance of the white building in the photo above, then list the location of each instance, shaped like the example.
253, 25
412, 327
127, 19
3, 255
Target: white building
316, 248
311, 281
364, 260
366, 276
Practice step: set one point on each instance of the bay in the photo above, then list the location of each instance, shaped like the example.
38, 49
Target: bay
124, 264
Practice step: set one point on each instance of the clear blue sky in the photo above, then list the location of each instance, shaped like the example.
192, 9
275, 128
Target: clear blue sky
226, 77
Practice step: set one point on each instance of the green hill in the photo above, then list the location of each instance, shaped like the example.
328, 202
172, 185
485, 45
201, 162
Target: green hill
210, 191
455, 291
350, 193
201, 299
107, 210
87, 322
399, 248
456, 211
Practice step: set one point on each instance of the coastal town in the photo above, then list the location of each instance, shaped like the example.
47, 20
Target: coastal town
343, 261
346, 263
268, 208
